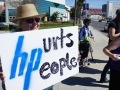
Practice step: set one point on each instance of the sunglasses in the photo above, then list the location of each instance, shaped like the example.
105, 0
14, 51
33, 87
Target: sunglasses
31, 20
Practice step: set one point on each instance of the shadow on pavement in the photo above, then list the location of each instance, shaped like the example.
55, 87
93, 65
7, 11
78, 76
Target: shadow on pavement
87, 81
89, 70
98, 61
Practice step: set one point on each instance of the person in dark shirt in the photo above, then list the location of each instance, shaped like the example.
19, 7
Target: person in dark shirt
114, 46
113, 32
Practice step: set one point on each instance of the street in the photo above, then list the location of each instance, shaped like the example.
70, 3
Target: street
99, 26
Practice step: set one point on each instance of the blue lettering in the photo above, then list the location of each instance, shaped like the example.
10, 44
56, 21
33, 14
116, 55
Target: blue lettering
18, 54
30, 65
24, 56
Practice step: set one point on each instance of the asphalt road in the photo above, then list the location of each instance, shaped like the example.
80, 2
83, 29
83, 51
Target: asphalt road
99, 26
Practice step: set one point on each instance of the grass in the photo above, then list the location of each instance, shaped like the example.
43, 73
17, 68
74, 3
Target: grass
45, 26
55, 26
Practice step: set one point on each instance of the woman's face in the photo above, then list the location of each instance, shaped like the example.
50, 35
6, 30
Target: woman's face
31, 23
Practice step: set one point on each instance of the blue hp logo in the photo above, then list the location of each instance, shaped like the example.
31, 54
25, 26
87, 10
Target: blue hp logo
24, 55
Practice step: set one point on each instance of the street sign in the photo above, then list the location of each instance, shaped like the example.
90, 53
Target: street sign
85, 6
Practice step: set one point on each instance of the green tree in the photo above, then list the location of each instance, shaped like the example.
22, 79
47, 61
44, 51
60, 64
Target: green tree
54, 16
78, 10
72, 12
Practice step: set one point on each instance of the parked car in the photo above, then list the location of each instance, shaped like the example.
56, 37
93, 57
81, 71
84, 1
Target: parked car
109, 19
106, 26
102, 20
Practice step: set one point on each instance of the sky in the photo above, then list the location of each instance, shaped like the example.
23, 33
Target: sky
92, 3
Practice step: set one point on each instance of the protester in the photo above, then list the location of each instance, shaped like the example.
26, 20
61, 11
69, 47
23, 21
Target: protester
84, 35
85, 32
113, 32
27, 19
114, 46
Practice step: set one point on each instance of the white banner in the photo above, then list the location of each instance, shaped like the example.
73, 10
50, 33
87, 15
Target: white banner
34, 60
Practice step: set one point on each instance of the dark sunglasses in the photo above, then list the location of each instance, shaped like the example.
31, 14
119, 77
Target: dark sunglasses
31, 20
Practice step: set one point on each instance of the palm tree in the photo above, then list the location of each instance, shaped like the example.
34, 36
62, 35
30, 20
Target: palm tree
75, 14
78, 6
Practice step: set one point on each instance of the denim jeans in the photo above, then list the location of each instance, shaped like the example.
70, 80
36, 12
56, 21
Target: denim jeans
105, 70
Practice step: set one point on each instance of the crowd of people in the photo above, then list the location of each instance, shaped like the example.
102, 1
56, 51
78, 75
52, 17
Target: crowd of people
112, 50
29, 19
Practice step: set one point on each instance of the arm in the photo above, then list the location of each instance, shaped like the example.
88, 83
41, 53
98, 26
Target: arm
1, 73
112, 33
112, 46
2, 77
91, 34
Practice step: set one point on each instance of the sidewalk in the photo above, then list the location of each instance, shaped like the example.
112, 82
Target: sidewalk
88, 78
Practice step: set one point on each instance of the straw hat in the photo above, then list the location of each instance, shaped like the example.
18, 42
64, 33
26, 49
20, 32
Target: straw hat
26, 11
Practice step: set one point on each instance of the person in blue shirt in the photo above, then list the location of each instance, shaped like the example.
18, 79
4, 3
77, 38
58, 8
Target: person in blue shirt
85, 32
84, 35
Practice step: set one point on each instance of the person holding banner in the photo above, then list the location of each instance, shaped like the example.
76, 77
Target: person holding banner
27, 19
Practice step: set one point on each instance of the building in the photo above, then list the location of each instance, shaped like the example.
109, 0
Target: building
104, 10
95, 13
48, 6
112, 6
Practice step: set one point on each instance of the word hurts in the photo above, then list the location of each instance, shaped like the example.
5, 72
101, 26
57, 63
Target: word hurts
54, 41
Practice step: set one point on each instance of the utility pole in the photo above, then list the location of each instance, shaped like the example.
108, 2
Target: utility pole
74, 24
